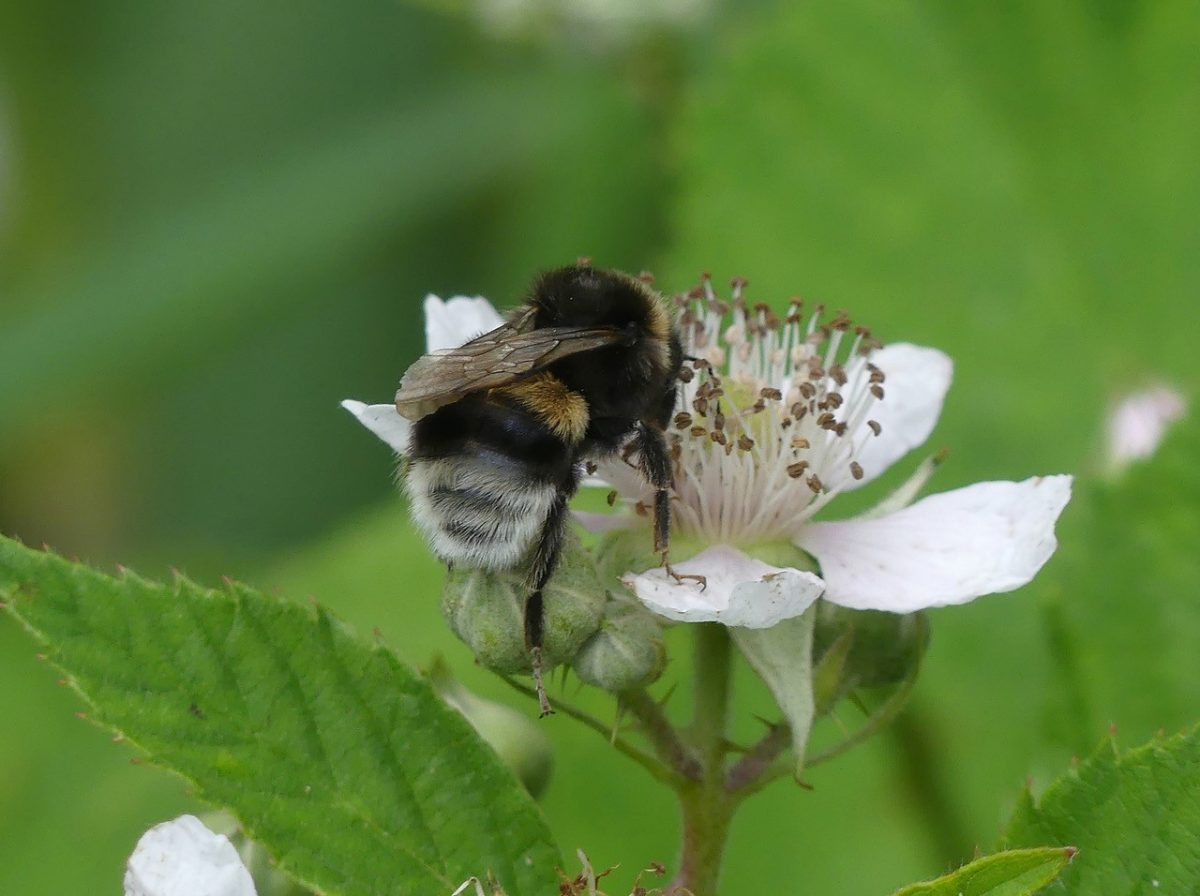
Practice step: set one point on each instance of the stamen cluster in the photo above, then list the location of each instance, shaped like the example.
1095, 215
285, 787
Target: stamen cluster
768, 404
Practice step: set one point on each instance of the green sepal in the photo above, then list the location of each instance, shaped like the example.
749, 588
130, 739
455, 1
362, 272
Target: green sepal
782, 657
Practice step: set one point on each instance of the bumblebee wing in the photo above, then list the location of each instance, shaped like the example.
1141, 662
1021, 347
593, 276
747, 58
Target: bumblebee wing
492, 360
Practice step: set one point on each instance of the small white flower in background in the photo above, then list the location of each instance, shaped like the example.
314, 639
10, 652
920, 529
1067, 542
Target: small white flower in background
1138, 423
777, 418
184, 858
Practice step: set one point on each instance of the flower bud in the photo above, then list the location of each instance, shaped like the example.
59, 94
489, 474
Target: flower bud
518, 740
863, 649
627, 652
487, 611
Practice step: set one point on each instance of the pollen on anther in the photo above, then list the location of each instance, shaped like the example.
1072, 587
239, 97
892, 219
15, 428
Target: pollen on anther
799, 442
815, 484
745, 442
796, 470
718, 436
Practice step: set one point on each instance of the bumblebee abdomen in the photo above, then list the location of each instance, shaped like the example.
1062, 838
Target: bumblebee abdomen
477, 512
482, 478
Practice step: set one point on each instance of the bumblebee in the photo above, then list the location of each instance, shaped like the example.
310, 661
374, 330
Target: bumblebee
587, 367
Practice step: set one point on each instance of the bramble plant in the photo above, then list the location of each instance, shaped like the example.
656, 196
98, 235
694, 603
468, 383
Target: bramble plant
358, 776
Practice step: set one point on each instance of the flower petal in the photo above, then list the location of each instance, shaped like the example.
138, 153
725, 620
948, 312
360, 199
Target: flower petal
740, 590
945, 549
449, 324
1137, 425
916, 383
184, 858
383, 420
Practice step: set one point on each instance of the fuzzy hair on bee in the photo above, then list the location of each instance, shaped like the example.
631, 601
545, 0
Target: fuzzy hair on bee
504, 425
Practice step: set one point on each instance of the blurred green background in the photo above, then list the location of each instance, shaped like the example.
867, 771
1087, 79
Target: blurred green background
217, 220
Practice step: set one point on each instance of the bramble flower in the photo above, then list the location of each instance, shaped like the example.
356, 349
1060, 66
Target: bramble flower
184, 858
778, 417
1137, 424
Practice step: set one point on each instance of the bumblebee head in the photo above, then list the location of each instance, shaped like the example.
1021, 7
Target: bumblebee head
581, 296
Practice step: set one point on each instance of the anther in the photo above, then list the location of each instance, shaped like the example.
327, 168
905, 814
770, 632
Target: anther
771, 394
611, 498
799, 409
833, 400
718, 436
796, 470
700, 406
758, 406
683, 420
808, 390
719, 420
856, 469
838, 374
745, 443
698, 432
877, 391
874, 426
800, 443
686, 375
826, 421
815, 484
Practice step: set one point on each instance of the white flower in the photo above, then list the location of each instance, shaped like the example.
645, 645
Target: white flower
184, 858
1137, 424
782, 415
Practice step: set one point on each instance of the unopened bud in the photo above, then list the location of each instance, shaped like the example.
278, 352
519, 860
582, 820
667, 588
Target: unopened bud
627, 652
518, 740
487, 611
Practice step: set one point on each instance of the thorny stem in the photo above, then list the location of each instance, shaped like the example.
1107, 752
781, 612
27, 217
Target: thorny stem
668, 745
646, 761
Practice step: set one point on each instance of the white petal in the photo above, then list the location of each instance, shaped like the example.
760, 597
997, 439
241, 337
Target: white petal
451, 323
915, 384
1138, 424
184, 858
383, 420
740, 590
945, 549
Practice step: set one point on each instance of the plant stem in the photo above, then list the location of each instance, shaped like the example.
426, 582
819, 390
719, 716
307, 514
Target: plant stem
649, 763
707, 807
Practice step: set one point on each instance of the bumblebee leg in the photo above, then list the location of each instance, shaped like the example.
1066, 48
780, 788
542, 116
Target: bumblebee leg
545, 560
656, 465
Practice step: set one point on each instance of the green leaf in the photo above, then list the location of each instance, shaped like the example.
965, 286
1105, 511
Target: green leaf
782, 657
1135, 818
334, 755
1019, 872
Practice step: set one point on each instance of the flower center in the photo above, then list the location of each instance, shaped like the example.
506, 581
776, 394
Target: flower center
774, 415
